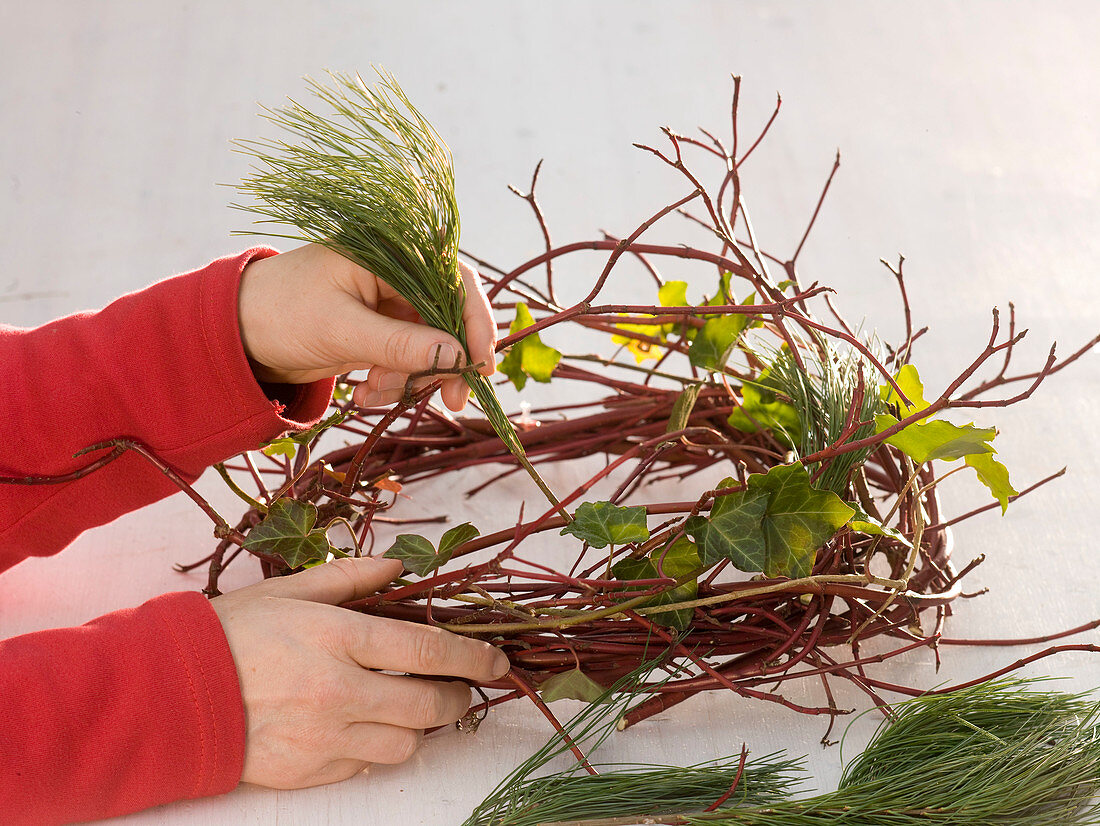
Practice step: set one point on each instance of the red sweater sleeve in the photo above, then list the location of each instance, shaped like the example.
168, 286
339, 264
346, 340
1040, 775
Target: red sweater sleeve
141, 706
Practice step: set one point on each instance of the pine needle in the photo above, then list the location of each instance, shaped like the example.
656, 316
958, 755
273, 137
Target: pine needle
821, 392
373, 181
995, 753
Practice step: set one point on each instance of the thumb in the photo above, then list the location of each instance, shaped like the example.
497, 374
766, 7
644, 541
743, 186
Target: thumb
341, 580
403, 346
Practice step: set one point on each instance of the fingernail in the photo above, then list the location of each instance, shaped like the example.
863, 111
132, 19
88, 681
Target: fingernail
447, 355
501, 667
391, 381
370, 399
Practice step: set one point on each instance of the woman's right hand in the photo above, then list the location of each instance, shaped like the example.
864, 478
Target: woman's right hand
317, 704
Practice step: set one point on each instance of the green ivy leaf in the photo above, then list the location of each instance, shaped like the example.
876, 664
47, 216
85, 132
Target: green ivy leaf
672, 294
936, 439
925, 440
421, 557
283, 446
733, 530
799, 518
761, 407
723, 295
864, 523
571, 685
288, 445
601, 524
529, 356
775, 525
994, 476
416, 553
287, 531
908, 379
456, 536
681, 559
714, 343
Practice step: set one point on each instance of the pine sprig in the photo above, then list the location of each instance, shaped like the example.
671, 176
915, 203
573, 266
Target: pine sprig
372, 180
996, 752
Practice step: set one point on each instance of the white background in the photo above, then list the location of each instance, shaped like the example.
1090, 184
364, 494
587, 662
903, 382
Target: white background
969, 142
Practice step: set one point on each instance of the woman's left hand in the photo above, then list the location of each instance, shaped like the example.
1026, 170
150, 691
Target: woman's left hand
310, 313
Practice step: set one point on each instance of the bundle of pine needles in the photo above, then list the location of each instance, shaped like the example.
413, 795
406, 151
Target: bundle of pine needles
373, 181
997, 752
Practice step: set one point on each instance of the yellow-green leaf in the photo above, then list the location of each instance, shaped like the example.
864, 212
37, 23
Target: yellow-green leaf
528, 357
714, 343
937, 439
641, 350
280, 447
673, 294
762, 408
910, 383
994, 476
571, 685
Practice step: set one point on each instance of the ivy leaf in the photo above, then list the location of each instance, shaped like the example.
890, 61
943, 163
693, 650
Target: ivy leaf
908, 379
601, 524
287, 531
529, 356
682, 407
926, 440
937, 439
288, 445
714, 343
994, 476
762, 408
733, 530
799, 518
642, 350
416, 553
724, 294
681, 559
864, 523
283, 446
455, 537
421, 557
669, 294
673, 294
571, 685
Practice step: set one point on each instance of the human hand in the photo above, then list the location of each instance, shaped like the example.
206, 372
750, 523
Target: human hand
316, 712
310, 313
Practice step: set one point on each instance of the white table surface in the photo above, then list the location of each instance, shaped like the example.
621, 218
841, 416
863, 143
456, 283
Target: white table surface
969, 135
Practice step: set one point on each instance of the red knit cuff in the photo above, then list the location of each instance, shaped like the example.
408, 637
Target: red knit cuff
294, 406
